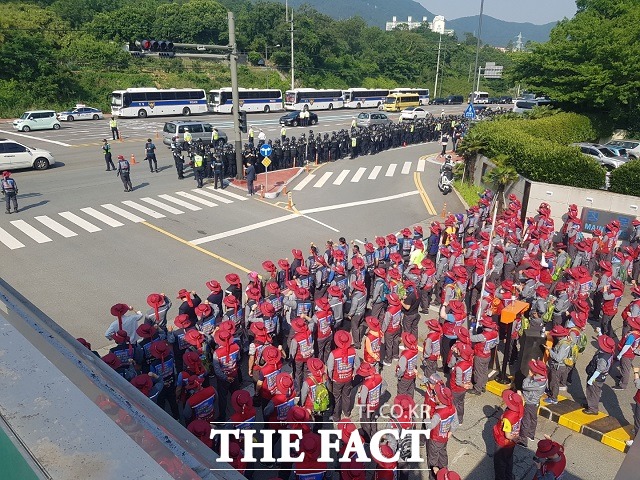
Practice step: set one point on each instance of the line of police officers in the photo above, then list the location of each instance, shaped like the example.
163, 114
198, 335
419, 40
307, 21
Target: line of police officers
218, 160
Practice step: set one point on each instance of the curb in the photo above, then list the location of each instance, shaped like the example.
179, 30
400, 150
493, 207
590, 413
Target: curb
273, 193
602, 428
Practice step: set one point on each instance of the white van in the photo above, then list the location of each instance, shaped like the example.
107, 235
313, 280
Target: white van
37, 120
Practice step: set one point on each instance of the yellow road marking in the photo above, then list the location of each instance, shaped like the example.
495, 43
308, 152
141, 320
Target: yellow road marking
423, 194
196, 247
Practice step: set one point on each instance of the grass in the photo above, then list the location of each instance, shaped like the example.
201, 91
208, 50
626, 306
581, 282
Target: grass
470, 193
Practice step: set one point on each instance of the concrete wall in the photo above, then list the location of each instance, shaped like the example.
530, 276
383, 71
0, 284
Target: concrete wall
559, 197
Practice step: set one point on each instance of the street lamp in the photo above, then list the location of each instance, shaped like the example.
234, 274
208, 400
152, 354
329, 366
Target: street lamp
475, 71
266, 57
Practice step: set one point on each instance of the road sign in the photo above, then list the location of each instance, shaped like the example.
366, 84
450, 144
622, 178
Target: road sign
491, 70
266, 161
470, 112
265, 150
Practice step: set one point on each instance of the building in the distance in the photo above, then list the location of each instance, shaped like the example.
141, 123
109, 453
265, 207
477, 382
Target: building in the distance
437, 25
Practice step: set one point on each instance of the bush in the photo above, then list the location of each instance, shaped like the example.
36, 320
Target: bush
538, 149
626, 179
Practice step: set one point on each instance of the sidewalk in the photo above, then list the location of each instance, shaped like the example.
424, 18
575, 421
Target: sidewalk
276, 180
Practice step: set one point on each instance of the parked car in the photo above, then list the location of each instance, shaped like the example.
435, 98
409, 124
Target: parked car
493, 100
15, 155
505, 99
618, 150
439, 101
80, 112
292, 119
631, 146
602, 154
366, 119
199, 131
37, 120
413, 113
454, 100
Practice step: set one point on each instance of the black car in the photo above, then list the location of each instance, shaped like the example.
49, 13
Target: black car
454, 100
292, 119
505, 99
439, 101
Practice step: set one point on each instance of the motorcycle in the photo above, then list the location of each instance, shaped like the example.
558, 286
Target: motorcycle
445, 182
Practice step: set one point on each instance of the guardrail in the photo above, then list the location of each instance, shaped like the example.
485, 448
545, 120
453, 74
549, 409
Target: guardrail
56, 393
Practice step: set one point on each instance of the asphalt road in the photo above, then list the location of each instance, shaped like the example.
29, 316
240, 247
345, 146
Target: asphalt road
90, 250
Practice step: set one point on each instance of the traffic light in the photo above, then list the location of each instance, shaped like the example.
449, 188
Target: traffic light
242, 120
144, 44
156, 45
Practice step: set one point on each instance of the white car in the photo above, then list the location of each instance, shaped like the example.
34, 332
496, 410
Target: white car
80, 112
413, 113
14, 155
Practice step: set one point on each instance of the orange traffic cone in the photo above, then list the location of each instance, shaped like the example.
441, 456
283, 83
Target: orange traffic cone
133, 159
261, 191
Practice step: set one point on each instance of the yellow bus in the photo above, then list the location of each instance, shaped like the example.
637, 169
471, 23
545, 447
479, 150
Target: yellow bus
396, 102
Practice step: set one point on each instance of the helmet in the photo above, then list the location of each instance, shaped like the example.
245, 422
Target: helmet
186, 129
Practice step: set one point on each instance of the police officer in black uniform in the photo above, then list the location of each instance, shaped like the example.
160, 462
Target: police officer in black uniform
124, 170
218, 171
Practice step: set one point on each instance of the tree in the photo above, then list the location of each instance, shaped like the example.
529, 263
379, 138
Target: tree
472, 145
588, 65
500, 178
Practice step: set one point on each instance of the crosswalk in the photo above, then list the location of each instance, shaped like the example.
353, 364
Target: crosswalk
340, 177
45, 229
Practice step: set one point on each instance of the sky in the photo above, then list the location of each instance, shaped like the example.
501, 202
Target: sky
538, 12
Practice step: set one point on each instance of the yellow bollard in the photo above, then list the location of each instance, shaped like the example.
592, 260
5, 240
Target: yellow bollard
444, 210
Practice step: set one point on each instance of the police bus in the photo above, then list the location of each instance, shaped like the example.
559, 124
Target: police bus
364, 98
312, 99
146, 102
251, 100
423, 93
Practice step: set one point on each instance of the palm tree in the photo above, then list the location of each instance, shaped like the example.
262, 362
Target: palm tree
500, 178
472, 145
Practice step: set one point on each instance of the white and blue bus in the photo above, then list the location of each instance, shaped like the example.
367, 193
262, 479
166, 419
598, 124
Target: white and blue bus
146, 102
251, 100
312, 99
423, 93
364, 97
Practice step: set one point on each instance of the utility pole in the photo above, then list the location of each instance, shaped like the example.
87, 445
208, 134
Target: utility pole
435, 87
293, 78
233, 64
286, 11
475, 71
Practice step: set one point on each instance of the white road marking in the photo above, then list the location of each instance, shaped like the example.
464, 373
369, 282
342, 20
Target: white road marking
421, 164
358, 203
55, 226
248, 228
197, 199
27, 229
226, 192
302, 214
15, 134
162, 206
391, 170
81, 222
374, 173
212, 195
143, 209
406, 168
9, 240
341, 177
358, 175
323, 180
321, 223
182, 203
304, 182
102, 217
123, 213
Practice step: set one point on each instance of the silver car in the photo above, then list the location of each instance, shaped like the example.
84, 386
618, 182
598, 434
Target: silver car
366, 119
607, 158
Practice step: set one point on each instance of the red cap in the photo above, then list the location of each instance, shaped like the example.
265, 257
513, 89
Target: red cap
366, 370
254, 293
269, 266
297, 254
434, 325
232, 278
446, 474
359, 285
316, 367
203, 310
283, 263
160, 349
146, 331
267, 310
342, 339
271, 355
538, 367
202, 430
512, 400
559, 331
548, 448
182, 321
606, 343
284, 383
334, 291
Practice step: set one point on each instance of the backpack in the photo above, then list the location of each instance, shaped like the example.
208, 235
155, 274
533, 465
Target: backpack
592, 366
548, 315
321, 398
582, 341
385, 291
519, 255
570, 361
